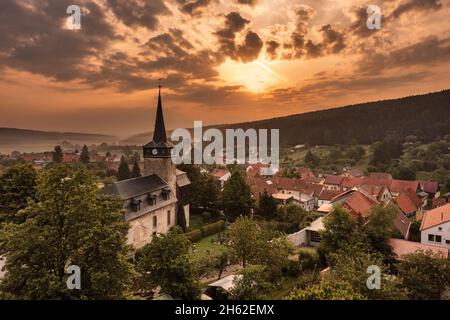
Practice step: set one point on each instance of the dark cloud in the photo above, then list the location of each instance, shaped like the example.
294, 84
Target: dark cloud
247, 2
416, 5
425, 52
137, 13
333, 41
33, 40
251, 47
194, 7
272, 49
247, 51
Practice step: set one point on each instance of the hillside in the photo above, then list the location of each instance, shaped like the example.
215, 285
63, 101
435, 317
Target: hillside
426, 116
32, 140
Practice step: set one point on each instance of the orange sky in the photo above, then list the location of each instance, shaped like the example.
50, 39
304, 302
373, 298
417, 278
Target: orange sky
219, 61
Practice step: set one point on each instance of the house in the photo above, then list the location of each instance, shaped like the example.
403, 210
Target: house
399, 186
380, 192
222, 175
326, 196
409, 203
348, 183
304, 173
435, 227
353, 172
431, 188
402, 247
151, 202
309, 236
219, 289
333, 182
283, 198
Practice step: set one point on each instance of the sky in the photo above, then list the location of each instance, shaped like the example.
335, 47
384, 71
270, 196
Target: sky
218, 61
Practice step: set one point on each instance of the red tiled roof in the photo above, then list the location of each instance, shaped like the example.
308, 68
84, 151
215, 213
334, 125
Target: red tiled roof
399, 186
351, 182
406, 204
333, 180
304, 173
436, 217
329, 194
430, 186
380, 176
359, 203
219, 173
402, 247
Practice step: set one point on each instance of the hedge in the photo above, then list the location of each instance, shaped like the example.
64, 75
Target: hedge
205, 231
213, 228
194, 235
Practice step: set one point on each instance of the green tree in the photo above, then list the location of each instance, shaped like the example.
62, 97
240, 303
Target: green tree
267, 206
123, 173
166, 262
68, 224
425, 274
350, 264
414, 231
327, 290
207, 191
136, 171
17, 187
294, 215
84, 156
379, 228
251, 283
57, 156
236, 196
181, 217
312, 159
339, 231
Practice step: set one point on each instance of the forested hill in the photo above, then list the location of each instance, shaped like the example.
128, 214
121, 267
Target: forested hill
426, 116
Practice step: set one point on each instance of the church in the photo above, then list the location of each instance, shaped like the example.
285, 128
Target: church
153, 200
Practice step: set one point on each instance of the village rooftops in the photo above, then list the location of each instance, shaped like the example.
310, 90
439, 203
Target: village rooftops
333, 180
436, 217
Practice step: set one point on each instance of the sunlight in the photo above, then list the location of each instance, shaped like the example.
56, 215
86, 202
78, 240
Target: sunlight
256, 76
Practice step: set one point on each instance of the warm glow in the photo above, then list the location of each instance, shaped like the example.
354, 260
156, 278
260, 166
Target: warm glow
256, 76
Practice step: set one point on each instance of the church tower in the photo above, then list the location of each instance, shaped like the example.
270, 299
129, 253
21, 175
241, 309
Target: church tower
157, 153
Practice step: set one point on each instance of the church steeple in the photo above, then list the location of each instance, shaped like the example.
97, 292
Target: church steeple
159, 147
159, 134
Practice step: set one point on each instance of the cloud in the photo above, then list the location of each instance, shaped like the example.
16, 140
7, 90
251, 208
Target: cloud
250, 49
195, 7
416, 5
247, 2
272, 47
137, 13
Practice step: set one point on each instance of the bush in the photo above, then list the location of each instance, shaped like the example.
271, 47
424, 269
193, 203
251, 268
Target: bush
213, 228
206, 216
308, 260
194, 235
291, 269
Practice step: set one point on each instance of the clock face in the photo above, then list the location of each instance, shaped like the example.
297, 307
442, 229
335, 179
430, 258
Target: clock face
155, 152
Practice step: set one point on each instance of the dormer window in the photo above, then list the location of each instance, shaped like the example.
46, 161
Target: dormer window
135, 205
151, 198
165, 193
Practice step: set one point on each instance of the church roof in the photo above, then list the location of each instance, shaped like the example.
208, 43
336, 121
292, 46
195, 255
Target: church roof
159, 133
131, 188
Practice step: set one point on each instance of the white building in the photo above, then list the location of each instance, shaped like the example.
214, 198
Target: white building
435, 228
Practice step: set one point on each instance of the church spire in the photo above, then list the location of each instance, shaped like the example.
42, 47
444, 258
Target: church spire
159, 134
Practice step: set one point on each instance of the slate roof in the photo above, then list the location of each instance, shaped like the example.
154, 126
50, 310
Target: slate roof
131, 188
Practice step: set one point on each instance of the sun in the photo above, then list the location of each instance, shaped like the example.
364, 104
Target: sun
256, 76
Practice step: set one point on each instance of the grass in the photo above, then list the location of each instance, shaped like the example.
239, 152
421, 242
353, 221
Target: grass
207, 246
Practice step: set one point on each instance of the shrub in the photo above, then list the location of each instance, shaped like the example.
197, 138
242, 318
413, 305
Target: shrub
308, 260
213, 228
194, 235
206, 216
291, 269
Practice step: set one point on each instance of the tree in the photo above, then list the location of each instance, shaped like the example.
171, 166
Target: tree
294, 215
236, 196
414, 231
17, 187
312, 159
251, 283
339, 231
181, 217
58, 156
245, 239
267, 206
425, 274
84, 156
404, 173
220, 262
136, 171
68, 224
207, 191
327, 290
379, 228
351, 265
166, 262
123, 173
